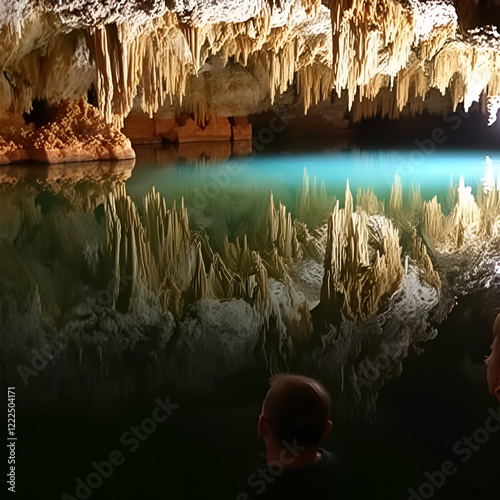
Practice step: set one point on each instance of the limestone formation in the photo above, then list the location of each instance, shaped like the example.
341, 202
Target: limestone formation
358, 278
76, 133
232, 59
472, 221
141, 288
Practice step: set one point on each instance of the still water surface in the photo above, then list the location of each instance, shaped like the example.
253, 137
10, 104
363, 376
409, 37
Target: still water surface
208, 447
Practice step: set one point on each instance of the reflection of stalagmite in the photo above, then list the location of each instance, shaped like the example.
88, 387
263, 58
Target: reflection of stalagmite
488, 200
358, 359
366, 201
200, 276
312, 202
466, 213
396, 206
312, 243
425, 266
281, 232
396, 201
160, 255
464, 222
355, 281
415, 199
167, 262
250, 275
125, 236
470, 222
434, 220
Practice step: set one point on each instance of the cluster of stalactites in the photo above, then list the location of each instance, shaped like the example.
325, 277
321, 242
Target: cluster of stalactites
357, 279
373, 39
161, 56
59, 51
164, 263
156, 259
156, 59
387, 55
466, 68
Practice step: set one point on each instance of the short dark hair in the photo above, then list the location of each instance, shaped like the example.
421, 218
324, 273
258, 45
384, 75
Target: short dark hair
297, 409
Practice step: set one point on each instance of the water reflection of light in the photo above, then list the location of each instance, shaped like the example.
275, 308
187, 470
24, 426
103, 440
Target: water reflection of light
489, 177
465, 192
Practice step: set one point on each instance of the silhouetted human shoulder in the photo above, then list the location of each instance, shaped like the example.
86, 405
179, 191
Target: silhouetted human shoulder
317, 481
493, 362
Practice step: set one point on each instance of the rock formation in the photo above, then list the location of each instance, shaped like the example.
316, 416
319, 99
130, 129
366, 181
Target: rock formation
231, 59
359, 276
77, 132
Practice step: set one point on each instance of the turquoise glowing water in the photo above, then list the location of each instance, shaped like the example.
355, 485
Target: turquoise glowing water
202, 183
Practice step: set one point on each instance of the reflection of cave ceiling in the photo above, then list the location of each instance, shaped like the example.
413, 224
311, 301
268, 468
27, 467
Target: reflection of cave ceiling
380, 55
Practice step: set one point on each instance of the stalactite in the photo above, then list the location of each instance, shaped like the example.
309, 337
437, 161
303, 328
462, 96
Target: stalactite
377, 37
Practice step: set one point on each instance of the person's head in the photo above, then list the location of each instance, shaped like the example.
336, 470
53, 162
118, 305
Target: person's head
493, 362
296, 410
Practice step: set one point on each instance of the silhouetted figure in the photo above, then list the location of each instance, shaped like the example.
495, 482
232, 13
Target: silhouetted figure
294, 422
493, 361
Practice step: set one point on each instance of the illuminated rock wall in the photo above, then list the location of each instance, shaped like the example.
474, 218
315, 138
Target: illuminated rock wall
233, 59
77, 132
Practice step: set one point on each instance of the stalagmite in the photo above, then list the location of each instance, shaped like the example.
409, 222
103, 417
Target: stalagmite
312, 202
434, 220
